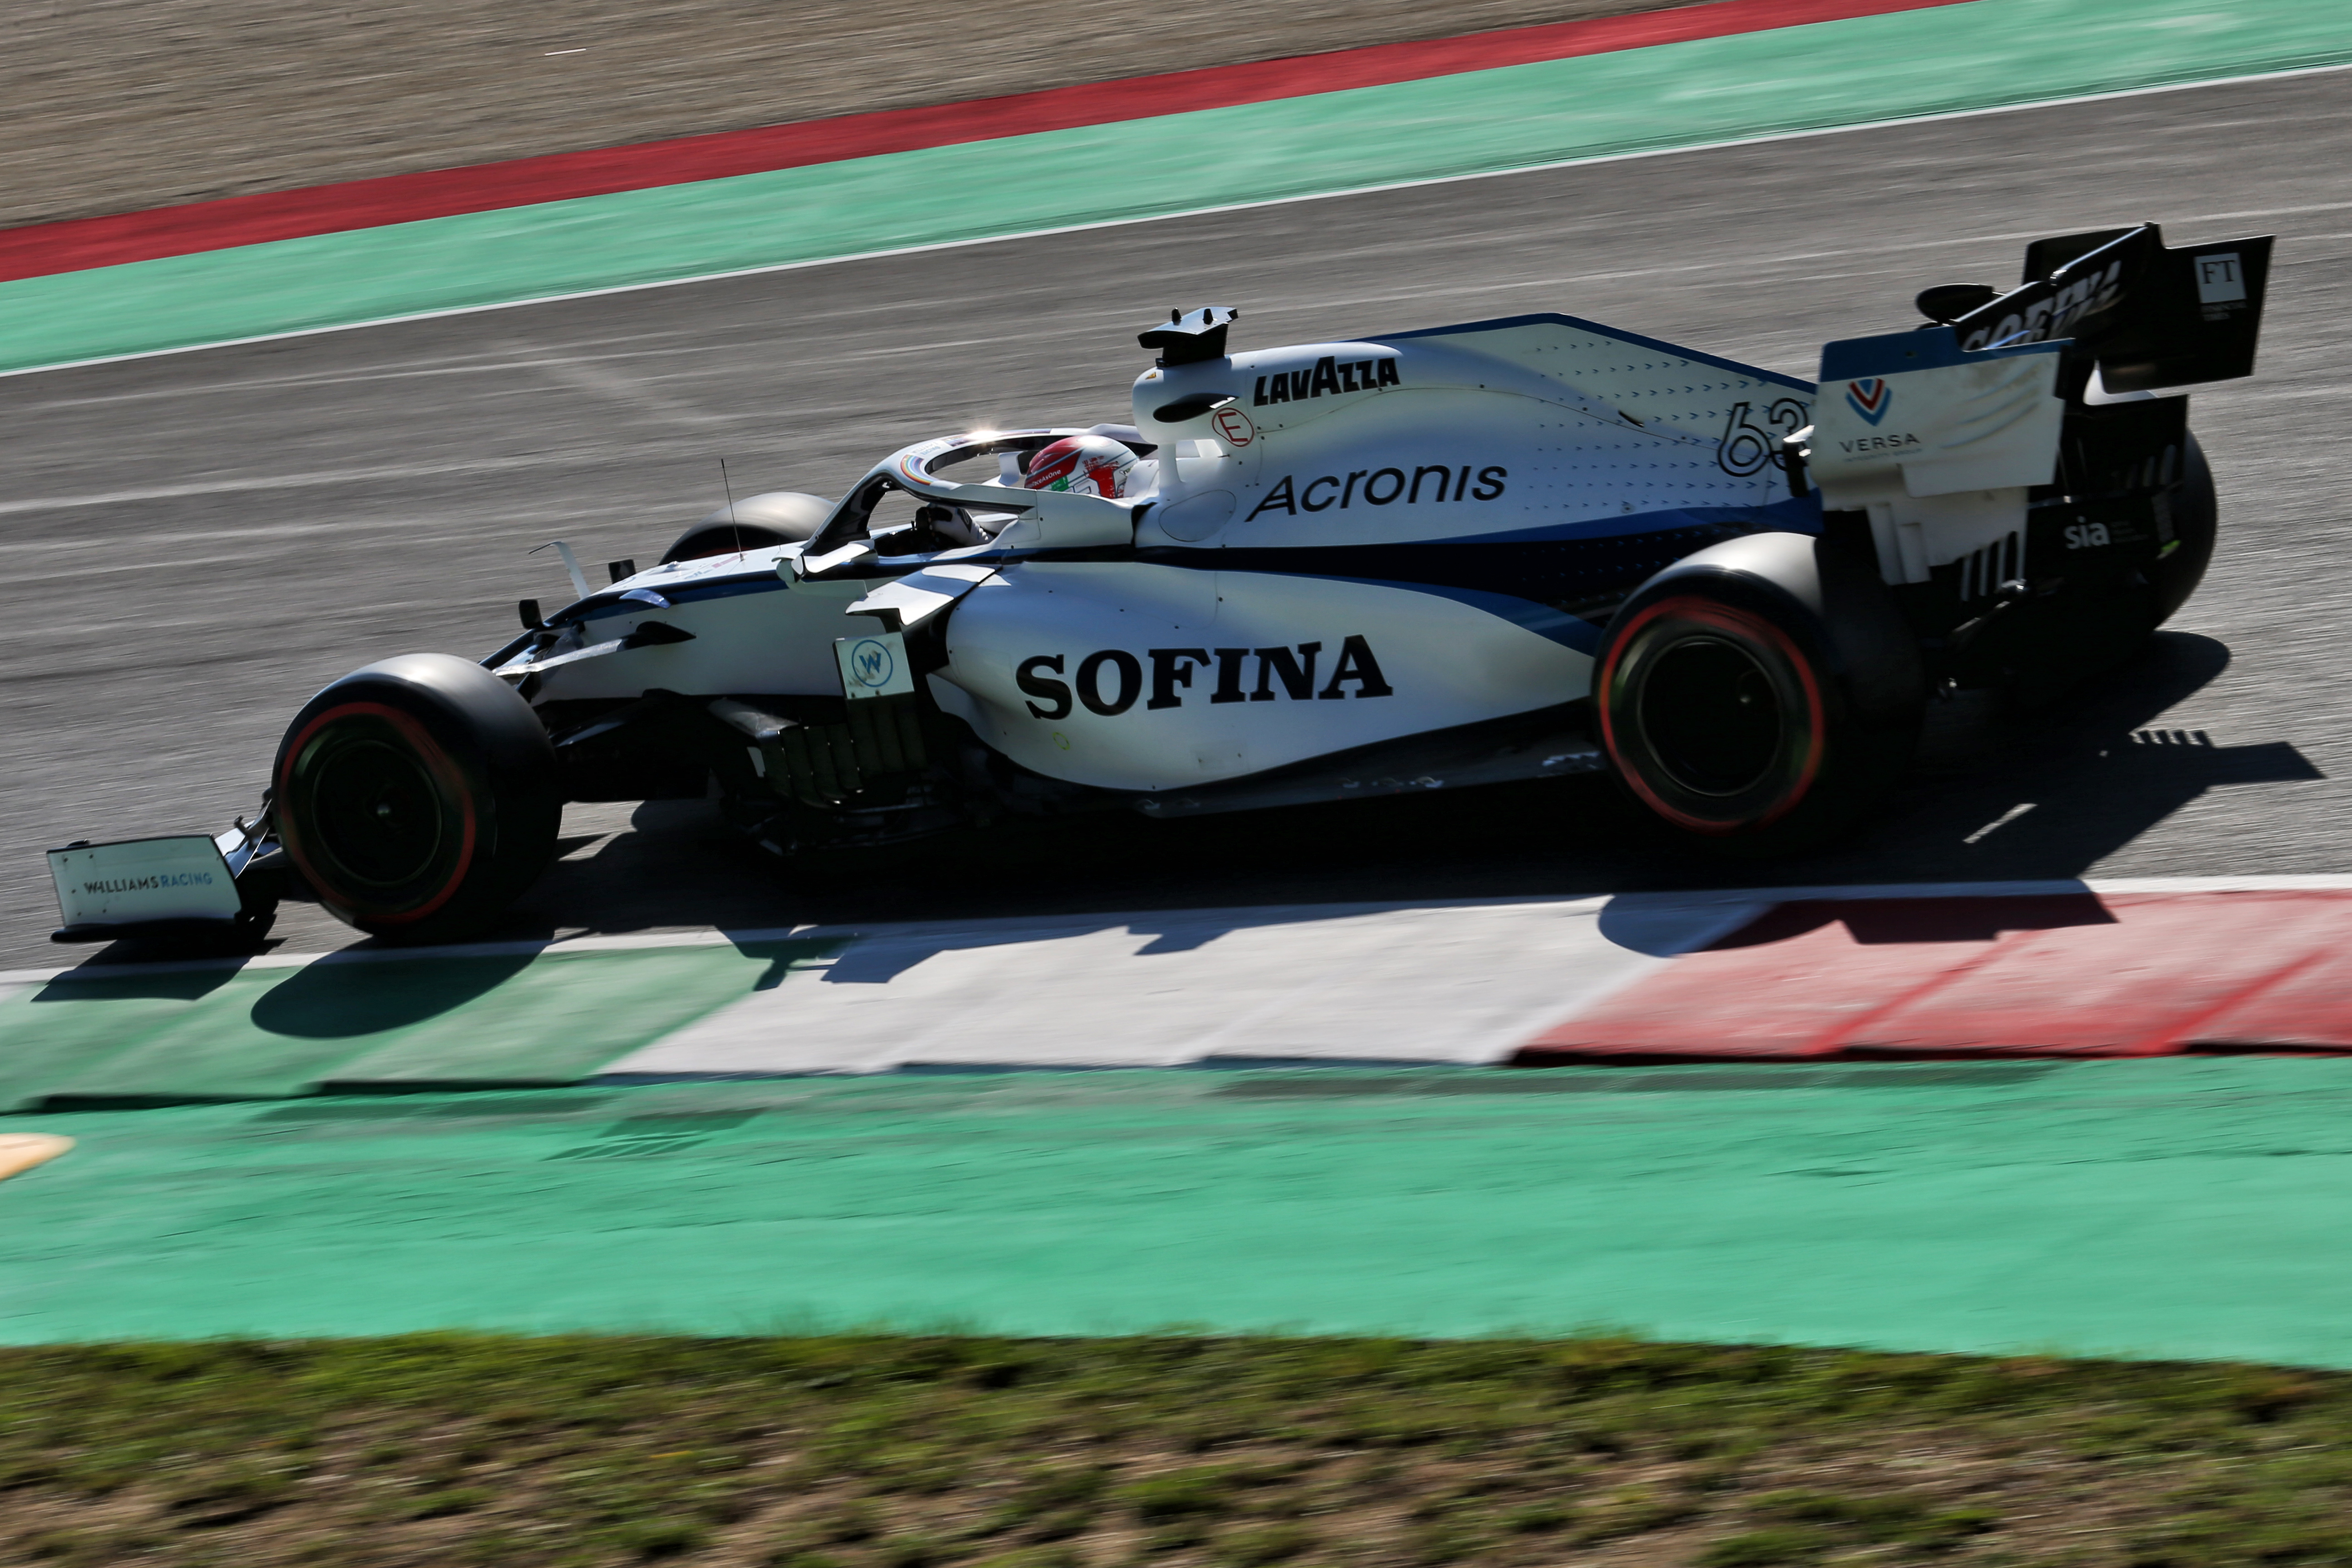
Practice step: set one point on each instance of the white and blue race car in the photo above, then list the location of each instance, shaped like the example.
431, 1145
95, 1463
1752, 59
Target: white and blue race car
1427, 560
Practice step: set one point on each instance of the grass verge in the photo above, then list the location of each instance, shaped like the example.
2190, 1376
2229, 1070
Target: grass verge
1228, 1453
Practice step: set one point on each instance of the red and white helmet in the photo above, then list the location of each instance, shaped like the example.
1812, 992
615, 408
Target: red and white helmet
1082, 465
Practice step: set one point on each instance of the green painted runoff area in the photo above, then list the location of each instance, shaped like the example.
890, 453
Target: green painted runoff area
1957, 58
2166, 1208
221, 1034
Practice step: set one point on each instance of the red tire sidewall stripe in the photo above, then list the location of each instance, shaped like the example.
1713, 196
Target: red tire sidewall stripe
445, 768
1723, 617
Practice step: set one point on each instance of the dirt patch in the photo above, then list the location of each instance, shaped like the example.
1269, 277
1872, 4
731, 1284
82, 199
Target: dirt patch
116, 105
901, 1453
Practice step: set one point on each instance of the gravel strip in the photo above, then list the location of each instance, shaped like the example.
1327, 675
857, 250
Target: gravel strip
117, 105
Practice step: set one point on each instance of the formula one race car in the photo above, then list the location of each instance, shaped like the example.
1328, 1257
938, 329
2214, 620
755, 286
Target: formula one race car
1510, 550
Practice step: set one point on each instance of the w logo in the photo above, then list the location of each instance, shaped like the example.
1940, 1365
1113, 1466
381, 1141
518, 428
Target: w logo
871, 664
1869, 398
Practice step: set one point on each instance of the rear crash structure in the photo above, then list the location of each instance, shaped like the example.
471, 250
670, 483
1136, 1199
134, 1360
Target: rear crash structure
1512, 549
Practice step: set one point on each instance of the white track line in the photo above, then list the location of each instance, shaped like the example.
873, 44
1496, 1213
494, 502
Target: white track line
1193, 211
291, 482
1042, 927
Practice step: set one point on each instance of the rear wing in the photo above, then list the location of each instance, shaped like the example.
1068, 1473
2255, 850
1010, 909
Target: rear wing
2148, 315
1941, 436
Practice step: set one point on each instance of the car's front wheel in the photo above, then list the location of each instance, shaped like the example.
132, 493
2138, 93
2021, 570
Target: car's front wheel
417, 797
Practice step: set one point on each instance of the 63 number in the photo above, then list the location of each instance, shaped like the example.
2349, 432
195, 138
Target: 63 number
1747, 447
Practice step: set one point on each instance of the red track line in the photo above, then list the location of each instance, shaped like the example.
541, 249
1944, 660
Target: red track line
2181, 1035
1833, 1041
68, 247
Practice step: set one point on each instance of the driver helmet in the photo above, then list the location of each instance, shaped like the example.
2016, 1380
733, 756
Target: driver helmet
1082, 465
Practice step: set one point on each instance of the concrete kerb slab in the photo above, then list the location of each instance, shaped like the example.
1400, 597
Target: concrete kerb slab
1462, 983
498, 1015
1469, 984
746, 937
527, 947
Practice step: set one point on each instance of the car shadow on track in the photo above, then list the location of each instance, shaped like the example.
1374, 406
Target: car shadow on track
2046, 794
2088, 771
2055, 793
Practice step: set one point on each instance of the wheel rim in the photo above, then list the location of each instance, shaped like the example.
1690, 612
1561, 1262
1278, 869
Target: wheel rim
1712, 716
1688, 748
377, 813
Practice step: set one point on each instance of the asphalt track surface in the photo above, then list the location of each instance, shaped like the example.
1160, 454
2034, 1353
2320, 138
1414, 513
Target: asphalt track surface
198, 542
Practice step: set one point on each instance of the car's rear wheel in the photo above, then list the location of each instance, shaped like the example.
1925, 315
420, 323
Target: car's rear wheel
1715, 718
2196, 528
1758, 695
417, 797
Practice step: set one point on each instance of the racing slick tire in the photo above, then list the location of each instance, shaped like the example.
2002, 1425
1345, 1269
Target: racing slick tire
1760, 693
2196, 525
417, 797
779, 516
2095, 630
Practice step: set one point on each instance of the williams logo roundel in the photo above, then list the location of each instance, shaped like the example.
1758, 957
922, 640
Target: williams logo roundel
870, 663
1869, 398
